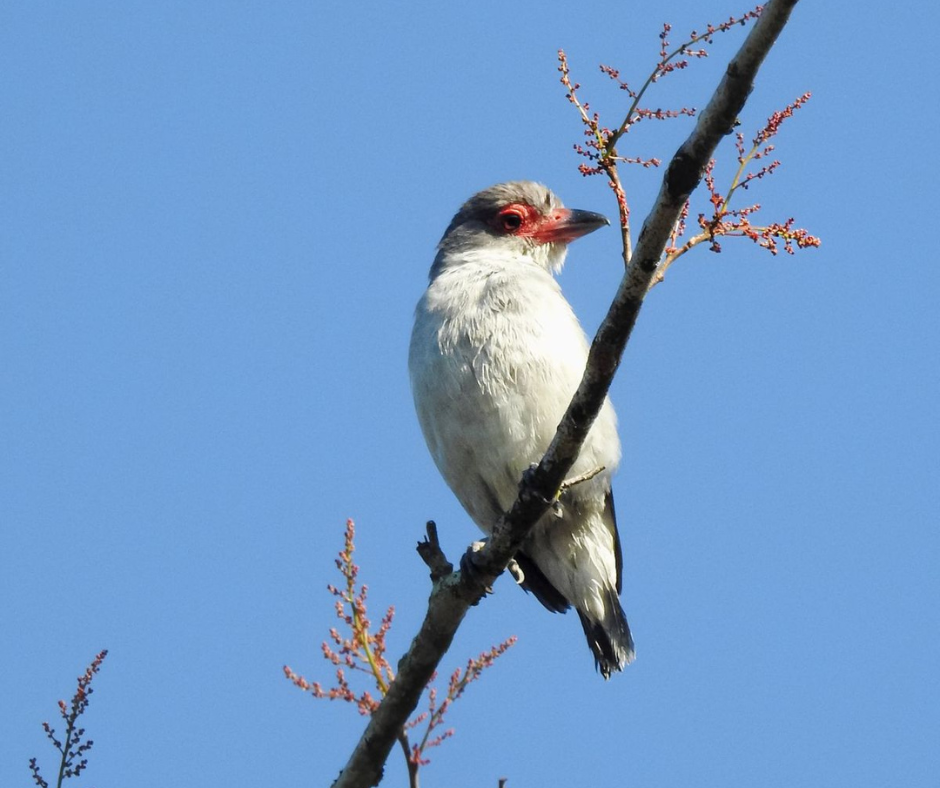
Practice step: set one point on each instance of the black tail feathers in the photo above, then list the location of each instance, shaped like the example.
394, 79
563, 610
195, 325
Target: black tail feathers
609, 639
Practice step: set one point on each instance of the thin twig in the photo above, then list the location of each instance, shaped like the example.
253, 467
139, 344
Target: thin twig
567, 484
430, 551
414, 781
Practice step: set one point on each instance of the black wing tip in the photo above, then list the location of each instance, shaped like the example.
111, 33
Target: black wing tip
536, 583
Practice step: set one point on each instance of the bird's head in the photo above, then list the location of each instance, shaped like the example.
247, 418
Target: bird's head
515, 218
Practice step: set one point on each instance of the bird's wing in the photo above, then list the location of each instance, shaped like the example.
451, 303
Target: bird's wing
540, 585
610, 520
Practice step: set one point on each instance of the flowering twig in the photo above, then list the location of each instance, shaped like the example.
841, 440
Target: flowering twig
364, 651
600, 147
727, 221
459, 681
669, 61
72, 762
600, 150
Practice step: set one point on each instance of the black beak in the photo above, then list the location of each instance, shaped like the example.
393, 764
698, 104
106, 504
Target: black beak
567, 224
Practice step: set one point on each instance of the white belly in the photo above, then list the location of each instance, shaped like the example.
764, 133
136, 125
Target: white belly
495, 359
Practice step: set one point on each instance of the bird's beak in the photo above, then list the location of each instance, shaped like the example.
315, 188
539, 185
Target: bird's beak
567, 224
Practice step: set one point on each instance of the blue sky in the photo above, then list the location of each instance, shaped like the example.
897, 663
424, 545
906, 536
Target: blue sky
217, 218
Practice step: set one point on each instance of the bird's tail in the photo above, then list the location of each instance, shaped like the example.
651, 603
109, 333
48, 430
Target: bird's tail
609, 638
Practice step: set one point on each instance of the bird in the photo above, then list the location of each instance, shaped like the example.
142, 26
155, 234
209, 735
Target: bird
496, 355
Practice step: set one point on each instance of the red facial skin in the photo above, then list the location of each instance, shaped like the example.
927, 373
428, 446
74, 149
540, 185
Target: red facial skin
525, 221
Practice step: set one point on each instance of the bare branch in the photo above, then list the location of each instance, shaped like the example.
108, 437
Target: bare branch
414, 781
430, 551
567, 484
453, 594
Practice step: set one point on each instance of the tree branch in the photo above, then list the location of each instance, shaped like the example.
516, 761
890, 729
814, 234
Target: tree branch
454, 593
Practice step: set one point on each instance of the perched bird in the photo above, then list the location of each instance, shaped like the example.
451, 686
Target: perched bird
496, 355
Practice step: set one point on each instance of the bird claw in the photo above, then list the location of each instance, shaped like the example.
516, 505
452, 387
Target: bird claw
528, 484
516, 571
529, 472
468, 563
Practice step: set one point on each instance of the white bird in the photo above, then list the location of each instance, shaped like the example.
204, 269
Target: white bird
496, 355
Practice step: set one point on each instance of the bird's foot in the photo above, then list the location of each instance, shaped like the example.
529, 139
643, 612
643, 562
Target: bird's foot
528, 483
468, 563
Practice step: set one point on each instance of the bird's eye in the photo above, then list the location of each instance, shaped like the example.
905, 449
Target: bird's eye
510, 220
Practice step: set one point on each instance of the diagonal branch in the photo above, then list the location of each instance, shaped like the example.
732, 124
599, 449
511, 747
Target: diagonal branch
453, 594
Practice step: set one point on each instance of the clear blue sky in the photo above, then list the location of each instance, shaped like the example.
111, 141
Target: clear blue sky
216, 220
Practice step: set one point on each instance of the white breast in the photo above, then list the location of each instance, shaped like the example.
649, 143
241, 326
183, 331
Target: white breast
496, 355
